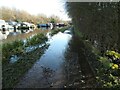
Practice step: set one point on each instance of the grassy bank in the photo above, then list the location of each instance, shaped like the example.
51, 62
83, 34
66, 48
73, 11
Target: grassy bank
104, 65
12, 72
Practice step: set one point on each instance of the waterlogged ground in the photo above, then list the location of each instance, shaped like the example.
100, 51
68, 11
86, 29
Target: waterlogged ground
59, 67
48, 71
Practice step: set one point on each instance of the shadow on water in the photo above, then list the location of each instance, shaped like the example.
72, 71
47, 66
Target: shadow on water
77, 70
48, 71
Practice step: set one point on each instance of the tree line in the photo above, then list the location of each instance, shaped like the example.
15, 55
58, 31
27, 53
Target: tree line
21, 15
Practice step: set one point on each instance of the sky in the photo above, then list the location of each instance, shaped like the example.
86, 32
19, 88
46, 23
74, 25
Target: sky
34, 7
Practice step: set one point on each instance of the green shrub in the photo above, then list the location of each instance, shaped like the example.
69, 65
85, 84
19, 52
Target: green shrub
9, 49
37, 39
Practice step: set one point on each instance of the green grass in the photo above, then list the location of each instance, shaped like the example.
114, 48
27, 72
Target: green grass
39, 38
17, 47
110, 70
107, 72
12, 72
9, 49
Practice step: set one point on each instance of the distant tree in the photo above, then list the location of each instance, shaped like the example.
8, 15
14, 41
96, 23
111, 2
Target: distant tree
54, 19
21, 15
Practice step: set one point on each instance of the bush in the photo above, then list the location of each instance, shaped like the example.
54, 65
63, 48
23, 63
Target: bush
37, 39
9, 49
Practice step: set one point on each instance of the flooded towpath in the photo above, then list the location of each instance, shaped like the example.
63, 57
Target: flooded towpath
63, 65
48, 71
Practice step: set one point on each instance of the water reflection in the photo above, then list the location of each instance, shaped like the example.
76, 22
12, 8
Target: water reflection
30, 49
45, 28
68, 32
14, 33
50, 28
14, 58
54, 55
48, 70
23, 36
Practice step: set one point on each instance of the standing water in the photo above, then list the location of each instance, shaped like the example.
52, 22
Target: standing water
48, 70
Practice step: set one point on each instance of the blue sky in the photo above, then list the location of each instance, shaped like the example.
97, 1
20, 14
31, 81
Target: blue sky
47, 7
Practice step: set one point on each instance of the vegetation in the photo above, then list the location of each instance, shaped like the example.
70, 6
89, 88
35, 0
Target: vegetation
12, 72
8, 49
21, 15
39, 38
97, 24
55, 31
110, 68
